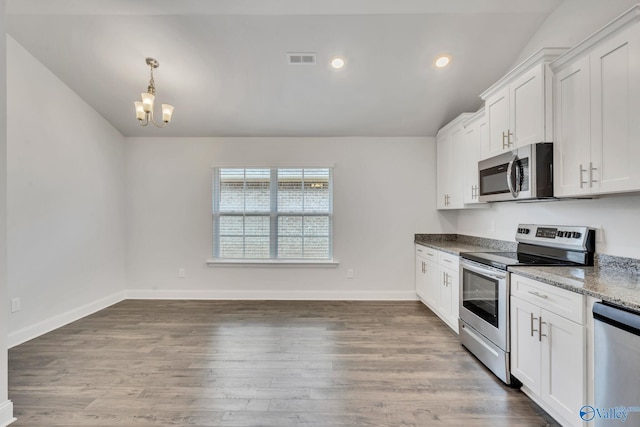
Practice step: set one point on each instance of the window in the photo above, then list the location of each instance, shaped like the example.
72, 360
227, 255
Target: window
277, 214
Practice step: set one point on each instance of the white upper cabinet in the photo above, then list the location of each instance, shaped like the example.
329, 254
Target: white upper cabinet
475, 135
451, 164
518, 107
572, 149
597, 106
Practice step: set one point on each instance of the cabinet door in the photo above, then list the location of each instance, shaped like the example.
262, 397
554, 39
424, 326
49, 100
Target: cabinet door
526, 108
444, 153
525, 344
572, 117
454, 285
432, 283
456, 168
472, 141
449, 296
563, 382
497, 118
615, 95
421, 277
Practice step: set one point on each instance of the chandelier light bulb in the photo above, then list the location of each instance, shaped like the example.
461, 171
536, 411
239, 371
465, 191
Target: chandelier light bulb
144, 108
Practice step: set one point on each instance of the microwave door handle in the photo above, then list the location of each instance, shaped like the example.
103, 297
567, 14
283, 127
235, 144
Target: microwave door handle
513, 186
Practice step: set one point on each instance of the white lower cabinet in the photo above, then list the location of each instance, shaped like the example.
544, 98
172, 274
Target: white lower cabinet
427, 275
548, 347
437, 283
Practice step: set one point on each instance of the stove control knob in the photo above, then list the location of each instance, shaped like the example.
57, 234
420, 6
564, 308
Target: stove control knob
560, 233
577, 235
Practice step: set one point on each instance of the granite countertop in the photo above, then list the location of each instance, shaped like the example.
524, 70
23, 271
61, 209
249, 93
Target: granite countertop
455, 248
455, 244
608, 283
613, 279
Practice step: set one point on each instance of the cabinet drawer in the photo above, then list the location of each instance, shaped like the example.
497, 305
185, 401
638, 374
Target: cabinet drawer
562, 302
427, 253
448, 260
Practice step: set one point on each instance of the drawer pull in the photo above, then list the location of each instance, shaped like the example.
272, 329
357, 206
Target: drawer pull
538, 294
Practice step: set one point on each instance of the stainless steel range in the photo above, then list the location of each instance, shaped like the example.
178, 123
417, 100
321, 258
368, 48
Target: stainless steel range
484, 286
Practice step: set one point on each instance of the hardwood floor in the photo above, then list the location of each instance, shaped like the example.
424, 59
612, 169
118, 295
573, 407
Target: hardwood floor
259, 363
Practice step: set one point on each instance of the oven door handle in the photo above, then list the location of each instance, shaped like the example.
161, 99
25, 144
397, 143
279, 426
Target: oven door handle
513, 181
484, 271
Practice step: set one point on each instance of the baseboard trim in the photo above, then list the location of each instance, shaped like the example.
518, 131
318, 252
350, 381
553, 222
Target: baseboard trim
272, 295
6, 413
30, 332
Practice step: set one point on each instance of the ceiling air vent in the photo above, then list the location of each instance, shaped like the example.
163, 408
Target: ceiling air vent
301, 58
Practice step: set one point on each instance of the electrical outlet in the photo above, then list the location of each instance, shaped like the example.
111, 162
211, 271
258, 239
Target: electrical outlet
15, 305
350, 273
181, 273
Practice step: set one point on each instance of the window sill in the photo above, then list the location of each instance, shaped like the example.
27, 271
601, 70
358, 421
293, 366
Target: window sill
271, 263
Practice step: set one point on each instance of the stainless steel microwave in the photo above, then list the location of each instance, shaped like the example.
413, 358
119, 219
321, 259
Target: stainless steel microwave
522, 174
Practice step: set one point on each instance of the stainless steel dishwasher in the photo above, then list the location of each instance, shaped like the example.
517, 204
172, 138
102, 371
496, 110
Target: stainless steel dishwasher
617, 367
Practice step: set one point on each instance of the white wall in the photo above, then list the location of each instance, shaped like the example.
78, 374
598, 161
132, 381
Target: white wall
6, 407
66, 248
617, 215
384, 193
569, 24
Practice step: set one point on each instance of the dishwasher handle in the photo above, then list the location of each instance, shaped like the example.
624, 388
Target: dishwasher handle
617, 316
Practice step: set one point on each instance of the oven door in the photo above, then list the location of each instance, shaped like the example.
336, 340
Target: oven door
484, 301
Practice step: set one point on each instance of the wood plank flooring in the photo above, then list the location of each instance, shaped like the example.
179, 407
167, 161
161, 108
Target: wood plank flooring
259, 363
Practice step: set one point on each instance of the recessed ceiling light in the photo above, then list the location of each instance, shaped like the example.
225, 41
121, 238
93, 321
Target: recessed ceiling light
442, 61
337, 63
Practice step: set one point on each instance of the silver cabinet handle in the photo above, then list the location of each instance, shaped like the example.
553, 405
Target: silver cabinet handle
540, 334
581, 172
509, 135
532, 329
591, 169
539, 295
504, 136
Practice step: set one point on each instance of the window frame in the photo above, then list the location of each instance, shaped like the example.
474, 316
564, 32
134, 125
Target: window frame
273, 214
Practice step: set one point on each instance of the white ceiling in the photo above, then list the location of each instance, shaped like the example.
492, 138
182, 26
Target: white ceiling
223, 62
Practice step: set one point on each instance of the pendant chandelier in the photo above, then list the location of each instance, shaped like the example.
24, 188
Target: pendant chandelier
144, 108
